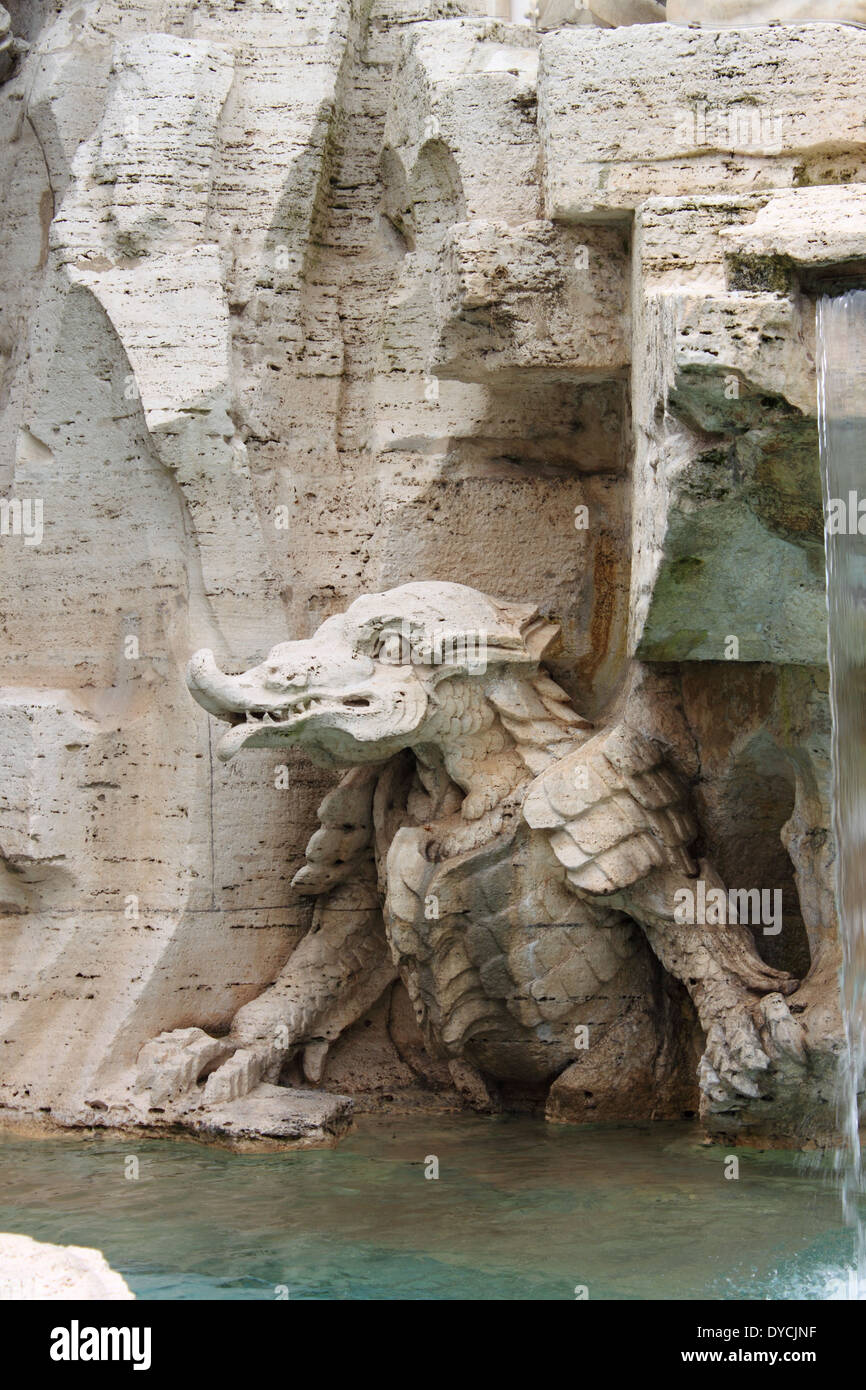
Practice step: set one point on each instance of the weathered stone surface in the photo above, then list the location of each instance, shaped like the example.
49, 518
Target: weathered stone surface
463, 97
33, 1270
706, 113
532, 298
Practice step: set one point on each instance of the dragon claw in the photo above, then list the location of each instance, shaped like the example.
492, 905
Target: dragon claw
745, 1046
171, 1064
237, 1076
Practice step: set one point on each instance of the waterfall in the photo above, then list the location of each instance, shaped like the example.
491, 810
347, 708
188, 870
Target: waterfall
841, 335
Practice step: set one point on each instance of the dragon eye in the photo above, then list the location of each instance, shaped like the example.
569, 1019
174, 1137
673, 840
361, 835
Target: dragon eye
389, 646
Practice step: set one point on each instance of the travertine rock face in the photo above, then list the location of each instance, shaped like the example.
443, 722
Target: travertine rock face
313, 301
532, 298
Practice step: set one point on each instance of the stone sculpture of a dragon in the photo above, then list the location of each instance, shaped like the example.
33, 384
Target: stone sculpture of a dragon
517, 869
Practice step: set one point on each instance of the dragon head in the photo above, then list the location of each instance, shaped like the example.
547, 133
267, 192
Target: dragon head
378, 678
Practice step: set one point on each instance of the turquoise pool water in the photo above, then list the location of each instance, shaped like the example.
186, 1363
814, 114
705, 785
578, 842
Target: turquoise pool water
520, 1211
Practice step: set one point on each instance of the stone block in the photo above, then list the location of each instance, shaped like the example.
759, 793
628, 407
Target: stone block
657, 110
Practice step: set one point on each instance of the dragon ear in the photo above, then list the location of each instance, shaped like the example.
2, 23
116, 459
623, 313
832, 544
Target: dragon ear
535, 632
541, 636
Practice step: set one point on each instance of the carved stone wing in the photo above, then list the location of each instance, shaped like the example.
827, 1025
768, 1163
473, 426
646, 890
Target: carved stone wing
614, 812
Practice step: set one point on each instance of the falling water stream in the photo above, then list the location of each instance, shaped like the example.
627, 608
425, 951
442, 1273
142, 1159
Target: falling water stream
841, 334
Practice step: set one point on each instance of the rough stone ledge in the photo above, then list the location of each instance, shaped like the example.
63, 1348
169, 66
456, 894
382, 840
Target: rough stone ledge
270, 1118
689, 111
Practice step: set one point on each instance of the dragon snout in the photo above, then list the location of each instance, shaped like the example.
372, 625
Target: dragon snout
231, 697
212, 688
299, 693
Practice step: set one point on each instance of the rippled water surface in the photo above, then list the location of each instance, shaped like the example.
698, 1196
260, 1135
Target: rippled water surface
520, 1211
